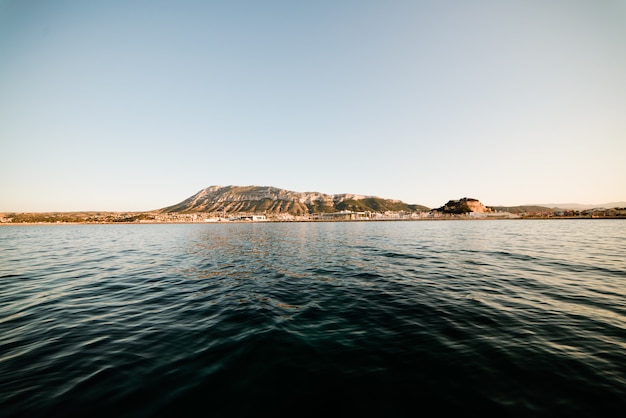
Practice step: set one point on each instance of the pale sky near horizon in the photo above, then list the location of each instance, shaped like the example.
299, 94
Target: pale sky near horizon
137, 105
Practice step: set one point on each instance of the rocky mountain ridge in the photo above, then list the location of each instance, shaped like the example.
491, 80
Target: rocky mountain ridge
217, 203
272, 200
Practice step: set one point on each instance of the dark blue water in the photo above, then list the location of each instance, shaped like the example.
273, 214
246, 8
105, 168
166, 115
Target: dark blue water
512, 318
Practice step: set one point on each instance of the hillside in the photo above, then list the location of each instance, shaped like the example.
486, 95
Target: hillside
464, 205
578, 206
523, 209
272, 200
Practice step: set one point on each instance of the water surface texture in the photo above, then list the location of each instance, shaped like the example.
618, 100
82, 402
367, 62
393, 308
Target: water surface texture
514, 318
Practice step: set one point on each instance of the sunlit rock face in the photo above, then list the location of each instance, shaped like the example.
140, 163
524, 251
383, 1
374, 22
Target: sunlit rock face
464, 205
272, 200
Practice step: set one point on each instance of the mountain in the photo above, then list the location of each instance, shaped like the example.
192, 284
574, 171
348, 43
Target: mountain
523, 209
272, 200
469, 205
464, 205
578, 206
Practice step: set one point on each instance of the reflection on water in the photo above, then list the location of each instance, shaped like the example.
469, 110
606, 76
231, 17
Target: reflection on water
380, 318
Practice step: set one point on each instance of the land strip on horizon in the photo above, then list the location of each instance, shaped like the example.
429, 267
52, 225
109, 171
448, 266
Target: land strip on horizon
265, 203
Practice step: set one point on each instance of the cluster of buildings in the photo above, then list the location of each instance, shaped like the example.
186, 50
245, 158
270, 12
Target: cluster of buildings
345, 215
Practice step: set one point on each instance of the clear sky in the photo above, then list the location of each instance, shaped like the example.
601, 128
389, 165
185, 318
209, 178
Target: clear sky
137, 105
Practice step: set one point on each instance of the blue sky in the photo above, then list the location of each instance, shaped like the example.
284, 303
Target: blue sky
136, 105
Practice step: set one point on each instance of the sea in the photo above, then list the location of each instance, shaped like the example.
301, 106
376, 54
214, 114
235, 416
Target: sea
509, 318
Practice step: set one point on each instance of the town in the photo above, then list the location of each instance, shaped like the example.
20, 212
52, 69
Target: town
341, 216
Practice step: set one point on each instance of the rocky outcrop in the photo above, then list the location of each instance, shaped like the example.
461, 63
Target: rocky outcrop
464, 205
272, 200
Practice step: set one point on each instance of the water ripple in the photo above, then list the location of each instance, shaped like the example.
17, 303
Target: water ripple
502, 317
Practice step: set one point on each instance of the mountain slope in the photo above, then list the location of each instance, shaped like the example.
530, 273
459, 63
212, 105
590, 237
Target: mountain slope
578, 206
272, 200
464, 205
523, 209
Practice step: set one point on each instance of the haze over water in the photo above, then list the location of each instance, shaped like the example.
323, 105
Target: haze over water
516, 318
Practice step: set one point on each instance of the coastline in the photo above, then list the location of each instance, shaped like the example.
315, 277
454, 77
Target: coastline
224, 222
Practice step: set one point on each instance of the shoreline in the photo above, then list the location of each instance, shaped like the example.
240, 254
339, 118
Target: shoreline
226, 222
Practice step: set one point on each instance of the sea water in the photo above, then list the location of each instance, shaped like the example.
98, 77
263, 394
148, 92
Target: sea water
501, 317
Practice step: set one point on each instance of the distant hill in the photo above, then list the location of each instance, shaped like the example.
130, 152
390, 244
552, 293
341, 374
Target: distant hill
272, 200
470, 205
523, 209
578, 206
464, 205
